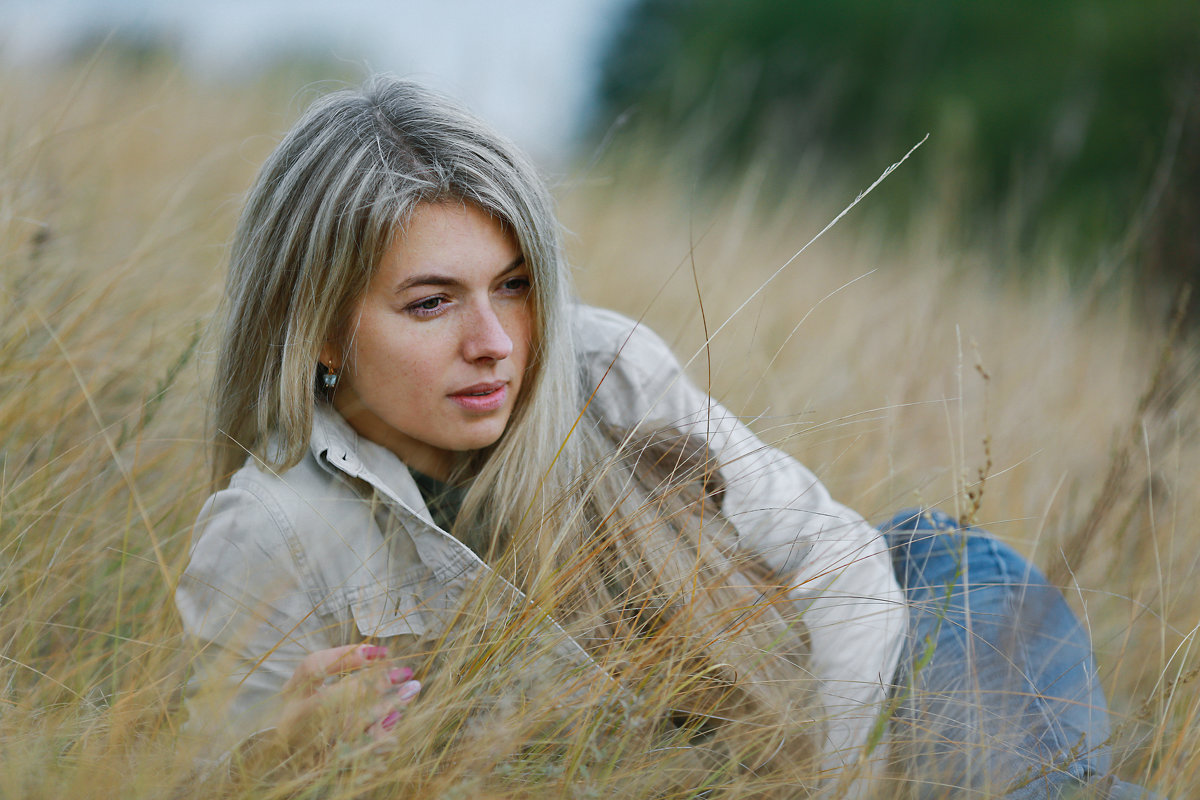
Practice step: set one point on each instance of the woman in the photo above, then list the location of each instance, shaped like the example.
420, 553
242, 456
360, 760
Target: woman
429, 457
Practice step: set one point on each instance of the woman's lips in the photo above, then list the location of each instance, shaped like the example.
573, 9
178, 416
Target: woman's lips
482, 396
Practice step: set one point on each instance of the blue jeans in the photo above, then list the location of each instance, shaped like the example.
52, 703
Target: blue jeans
996, 693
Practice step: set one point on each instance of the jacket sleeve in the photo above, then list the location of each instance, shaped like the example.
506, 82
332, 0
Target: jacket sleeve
839, 567
249, 615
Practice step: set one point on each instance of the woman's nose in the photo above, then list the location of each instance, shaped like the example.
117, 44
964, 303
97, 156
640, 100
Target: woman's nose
485, 337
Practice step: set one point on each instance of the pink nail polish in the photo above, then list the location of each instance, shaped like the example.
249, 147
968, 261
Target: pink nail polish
399, 675
373, 651
389, 722
408, 691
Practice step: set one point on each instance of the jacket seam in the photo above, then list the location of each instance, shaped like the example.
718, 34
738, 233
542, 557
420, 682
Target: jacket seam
308, 579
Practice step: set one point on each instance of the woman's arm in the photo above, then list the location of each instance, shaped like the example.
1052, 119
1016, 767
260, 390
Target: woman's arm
248, 611
842, 575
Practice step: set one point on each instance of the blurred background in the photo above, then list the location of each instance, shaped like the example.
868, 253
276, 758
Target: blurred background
530, 67
1000, 329
1074, 121
1072, 124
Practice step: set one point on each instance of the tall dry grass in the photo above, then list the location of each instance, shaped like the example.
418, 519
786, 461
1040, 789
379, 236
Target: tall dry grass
900, 370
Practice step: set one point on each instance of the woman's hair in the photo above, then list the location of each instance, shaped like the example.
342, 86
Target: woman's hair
562, 510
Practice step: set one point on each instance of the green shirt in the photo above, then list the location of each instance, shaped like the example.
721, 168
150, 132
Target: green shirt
442, 499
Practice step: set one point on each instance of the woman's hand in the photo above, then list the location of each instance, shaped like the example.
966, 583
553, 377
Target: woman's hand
340, 694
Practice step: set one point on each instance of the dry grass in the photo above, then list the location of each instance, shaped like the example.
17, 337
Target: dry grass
883, 365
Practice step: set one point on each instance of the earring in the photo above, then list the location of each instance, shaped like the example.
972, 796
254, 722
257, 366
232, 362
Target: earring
329, 379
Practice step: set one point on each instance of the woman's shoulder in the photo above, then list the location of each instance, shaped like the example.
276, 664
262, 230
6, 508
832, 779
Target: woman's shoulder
262, 510
612, 347
251, 512
257, 489
257, 560
630, 373
602, 330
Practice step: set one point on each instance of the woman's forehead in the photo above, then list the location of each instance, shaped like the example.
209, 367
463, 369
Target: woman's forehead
448, 241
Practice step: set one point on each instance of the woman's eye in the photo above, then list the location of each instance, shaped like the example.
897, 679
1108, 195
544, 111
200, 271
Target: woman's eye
515, 285
427, 307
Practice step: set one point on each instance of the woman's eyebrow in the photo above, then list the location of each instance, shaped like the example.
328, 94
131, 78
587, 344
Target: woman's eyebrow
438, 279
517, 263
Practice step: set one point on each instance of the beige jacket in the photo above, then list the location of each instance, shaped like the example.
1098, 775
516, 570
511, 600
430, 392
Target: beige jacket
283, 565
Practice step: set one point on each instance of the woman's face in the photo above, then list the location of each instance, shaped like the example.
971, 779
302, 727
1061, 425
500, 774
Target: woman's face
436, 348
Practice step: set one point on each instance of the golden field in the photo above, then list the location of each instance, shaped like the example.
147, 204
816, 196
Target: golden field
902, 369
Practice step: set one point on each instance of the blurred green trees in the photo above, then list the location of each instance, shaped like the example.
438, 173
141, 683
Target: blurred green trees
1062, 110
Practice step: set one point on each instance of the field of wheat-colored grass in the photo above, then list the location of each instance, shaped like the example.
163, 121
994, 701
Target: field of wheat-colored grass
903, 370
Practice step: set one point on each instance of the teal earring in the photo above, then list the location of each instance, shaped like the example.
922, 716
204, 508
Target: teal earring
330, 378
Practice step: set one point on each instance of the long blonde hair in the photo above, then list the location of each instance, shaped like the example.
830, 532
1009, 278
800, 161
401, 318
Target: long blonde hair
549, 492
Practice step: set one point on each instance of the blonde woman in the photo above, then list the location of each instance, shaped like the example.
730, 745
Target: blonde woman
418, 429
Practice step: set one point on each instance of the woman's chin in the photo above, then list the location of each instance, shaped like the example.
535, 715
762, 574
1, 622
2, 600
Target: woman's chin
482, 434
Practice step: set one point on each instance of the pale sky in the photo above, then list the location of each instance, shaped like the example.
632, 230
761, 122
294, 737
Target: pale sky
527, 66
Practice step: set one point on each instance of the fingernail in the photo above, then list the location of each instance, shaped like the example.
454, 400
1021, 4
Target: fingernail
399, 675
389, 722
408, 691
373, 651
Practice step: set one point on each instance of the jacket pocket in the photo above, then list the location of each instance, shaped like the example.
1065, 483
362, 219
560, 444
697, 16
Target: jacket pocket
382, 612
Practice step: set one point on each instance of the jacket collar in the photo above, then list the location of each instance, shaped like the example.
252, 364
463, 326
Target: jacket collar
334, 444
340, 450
